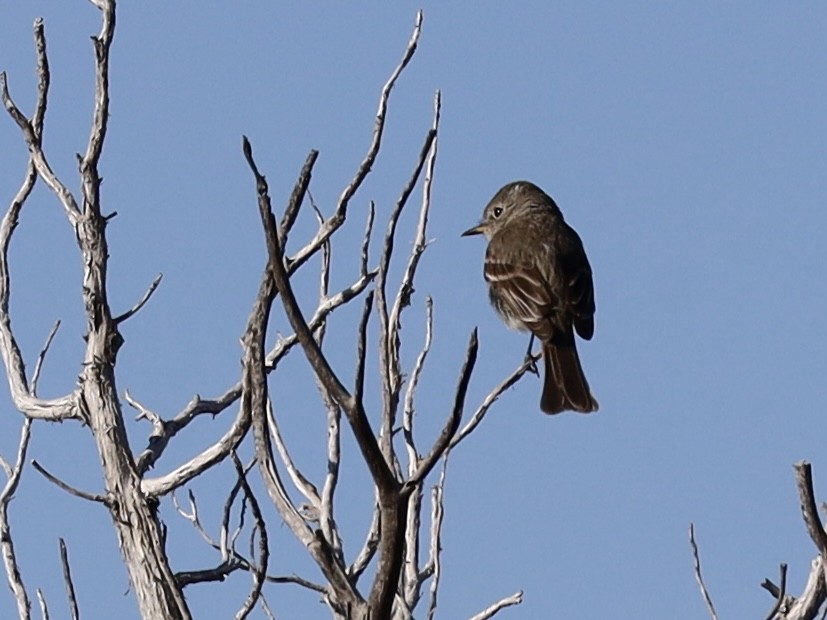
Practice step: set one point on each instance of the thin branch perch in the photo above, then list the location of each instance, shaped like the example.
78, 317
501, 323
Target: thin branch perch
697, 563
67, 581
141, 302
92, 497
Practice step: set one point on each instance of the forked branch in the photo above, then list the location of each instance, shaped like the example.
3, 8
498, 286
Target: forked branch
32, 130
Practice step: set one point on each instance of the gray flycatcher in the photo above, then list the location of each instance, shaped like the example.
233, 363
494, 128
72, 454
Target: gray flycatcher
540, 281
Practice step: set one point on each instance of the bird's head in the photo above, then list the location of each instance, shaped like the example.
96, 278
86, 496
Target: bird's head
510, 202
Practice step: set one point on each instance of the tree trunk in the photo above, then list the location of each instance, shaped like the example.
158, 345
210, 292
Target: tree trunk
133, 514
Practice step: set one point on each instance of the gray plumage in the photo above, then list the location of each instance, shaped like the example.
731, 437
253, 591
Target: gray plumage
540, 281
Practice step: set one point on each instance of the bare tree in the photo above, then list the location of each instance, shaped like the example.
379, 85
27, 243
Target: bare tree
403, 576
810, 603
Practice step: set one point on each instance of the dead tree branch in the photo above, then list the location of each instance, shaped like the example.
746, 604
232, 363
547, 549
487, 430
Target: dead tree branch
259, 568
95, 401
342, 596
392, 538
92, 497
491, 398
67, 581
390, 554
13, 473
42, 357
809, 603
44, 609
697, 564
67, 406
782, 591
389, 343
433, 568
162, 433
142, 301
491, 611
804, 478
333, 223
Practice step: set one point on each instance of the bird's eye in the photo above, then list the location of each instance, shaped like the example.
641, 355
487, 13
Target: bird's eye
498, 211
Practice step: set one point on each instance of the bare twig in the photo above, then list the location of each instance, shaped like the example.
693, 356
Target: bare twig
67, 580
321, 315
388, 326
265, 608
434, 566
7, 550
369, 548
770, 587
807, 605
324, 271
406, 287
490, 612
227, 544
32, 134
143, 412
207, 575
782, 591
804, 478
411, 582
231, 560
92, 497
43, 78
296, 198
697, 562
410, 587
100, 114
338, 218
42, 356
305, 487
491, 398
141, 302
260, 568
327, 520
449, 431
299, 581
44, 609
361, 350
408, 411
13, 473
363, 256
238, 562
192, 516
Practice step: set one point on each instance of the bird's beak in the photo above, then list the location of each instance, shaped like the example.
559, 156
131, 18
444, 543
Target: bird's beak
476, 230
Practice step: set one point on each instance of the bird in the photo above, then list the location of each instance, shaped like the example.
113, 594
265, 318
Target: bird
539, 280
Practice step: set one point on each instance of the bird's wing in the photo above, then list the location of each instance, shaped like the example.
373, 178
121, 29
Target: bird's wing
521, 295
577, 275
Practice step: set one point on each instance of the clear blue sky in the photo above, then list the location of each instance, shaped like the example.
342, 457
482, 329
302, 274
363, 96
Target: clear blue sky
686, 142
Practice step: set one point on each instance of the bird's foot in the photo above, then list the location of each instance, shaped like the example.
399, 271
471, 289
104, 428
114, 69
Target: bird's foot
530, 362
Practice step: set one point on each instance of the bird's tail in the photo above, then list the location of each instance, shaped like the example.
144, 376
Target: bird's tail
565, 386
